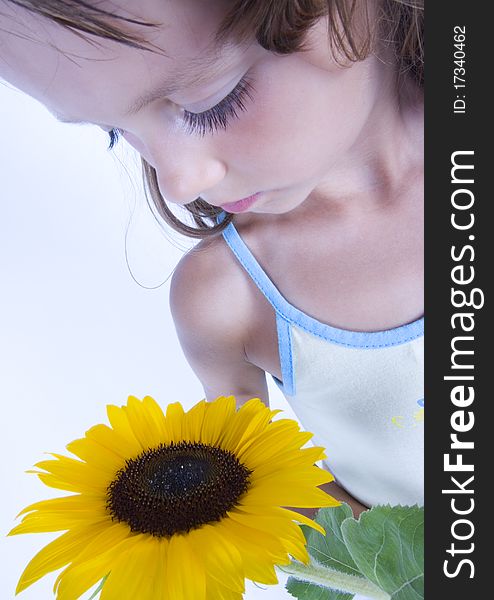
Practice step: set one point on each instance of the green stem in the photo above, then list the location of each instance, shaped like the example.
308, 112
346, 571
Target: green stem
335, 580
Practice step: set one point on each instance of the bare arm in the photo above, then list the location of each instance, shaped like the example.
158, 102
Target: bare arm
211, 310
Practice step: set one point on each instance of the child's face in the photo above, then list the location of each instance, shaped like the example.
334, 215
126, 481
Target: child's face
303, 114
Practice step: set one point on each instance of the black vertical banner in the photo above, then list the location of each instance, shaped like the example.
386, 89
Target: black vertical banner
459, 324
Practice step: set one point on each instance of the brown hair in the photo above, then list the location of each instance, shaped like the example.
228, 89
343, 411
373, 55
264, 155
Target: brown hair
279, 26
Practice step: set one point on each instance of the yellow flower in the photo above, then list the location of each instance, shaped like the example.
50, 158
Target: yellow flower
177, 507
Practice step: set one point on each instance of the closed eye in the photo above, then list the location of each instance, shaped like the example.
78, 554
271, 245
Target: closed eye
213, 119
220, 116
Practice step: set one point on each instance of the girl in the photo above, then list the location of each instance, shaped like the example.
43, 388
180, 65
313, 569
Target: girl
290, 134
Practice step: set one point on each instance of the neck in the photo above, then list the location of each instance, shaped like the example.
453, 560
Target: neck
386, 153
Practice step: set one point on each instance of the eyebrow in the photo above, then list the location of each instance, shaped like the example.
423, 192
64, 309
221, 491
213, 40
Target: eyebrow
197, 72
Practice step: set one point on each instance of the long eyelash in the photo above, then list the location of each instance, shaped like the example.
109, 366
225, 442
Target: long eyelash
220, 115
114, 135
210, 120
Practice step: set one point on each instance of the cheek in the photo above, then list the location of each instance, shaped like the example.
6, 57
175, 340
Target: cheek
136, 143
276, 136
300, 122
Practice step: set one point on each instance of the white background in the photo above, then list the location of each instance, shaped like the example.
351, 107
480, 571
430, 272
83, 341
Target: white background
76, 331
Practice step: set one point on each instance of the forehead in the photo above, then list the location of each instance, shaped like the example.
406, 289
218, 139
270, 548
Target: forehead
64, 70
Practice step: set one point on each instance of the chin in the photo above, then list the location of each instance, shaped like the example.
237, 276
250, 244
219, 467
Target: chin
278, 207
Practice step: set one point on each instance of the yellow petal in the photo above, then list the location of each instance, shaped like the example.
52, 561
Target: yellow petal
137, 574
279, 438
149, 431
112, 440
186, 578
301, 459
108, 538
307, 476
258, 559
76, 472
288, 532
216, 418
79, 577
78, 502
193, 422
156, 414
301, 476
56, 554
47, 521
217, 591
112, 535
120, 423
242, 420
268, 444
174, 421
292, 495
96, 455
259, 417
276, 510
164, 548
274, 525
268, 542
57, 483
222, 559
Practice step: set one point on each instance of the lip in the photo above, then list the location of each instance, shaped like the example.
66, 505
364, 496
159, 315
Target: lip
242, 205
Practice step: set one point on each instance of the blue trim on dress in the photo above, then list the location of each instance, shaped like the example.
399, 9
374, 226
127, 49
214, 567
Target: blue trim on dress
291, 314
287, 386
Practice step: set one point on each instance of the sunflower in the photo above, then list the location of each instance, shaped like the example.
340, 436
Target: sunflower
177, 507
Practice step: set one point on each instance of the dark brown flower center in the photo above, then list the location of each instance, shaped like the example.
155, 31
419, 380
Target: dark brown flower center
176, 488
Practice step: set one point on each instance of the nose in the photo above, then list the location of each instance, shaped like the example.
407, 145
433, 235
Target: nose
183, 177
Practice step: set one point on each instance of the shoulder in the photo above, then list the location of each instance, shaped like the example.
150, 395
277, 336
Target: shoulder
212, 305
211, 297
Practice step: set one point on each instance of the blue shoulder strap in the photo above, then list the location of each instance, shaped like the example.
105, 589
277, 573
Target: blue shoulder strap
345, 337
273, 296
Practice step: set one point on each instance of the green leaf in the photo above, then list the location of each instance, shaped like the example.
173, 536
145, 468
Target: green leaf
99, 588
387, 545
310, 591
380, 556
330, 550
